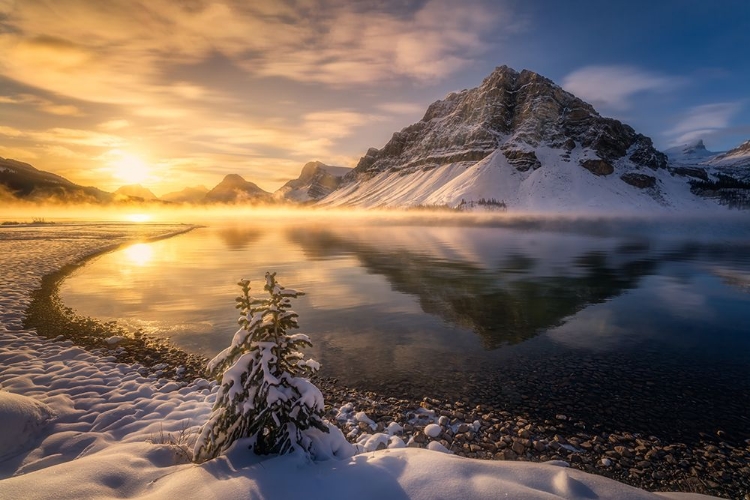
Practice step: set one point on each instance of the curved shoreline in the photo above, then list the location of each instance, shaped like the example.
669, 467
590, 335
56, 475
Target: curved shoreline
712, 466
50, 318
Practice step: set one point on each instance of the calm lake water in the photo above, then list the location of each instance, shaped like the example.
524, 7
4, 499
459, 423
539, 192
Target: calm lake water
630, 325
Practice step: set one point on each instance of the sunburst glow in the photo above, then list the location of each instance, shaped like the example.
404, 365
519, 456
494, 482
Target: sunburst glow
130, 168
138, 217
139, 254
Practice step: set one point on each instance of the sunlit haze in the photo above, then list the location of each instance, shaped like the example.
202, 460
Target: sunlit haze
174, 94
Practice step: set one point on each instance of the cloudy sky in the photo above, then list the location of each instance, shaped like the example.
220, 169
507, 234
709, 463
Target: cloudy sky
178, 93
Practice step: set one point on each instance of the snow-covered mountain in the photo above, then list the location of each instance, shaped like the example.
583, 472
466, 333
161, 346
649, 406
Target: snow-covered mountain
723, 177
235, 189
316, 181
739, 156
135, 191
520, 139
692, 153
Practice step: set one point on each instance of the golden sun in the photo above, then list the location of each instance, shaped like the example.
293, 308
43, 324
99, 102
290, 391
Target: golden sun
130, 168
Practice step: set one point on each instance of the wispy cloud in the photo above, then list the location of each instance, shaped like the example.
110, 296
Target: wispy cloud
118, 52
141, 73
402, 108
115, 124
42, 104
703, 121
612, 87
356, 47
67, 136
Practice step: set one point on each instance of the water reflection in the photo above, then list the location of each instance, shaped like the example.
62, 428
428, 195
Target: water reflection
139, 254
238, 238
505, 284
504, 304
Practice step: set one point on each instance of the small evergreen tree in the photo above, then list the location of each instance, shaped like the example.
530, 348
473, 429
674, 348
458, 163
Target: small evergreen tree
265, 393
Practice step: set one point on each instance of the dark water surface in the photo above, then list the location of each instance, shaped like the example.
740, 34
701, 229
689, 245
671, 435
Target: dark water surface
630, 325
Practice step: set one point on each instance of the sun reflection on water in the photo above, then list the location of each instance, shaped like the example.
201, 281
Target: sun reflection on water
139, 254
138, 217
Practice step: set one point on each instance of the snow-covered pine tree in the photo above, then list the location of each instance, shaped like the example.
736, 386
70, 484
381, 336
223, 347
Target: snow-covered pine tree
265, 392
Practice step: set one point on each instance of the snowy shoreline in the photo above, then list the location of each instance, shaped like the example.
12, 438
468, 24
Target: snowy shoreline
106, 411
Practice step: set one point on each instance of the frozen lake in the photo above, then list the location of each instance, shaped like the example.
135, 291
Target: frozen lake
633, 325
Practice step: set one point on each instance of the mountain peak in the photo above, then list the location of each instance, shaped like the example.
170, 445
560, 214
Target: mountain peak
233, 189
233, 179
136, 191
315, 181
737, 157
520, 111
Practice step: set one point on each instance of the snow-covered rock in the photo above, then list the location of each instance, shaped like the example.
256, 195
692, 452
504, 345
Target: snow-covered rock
22, 420
432, 430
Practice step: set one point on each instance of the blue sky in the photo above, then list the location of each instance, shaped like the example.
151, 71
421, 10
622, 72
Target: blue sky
172, 93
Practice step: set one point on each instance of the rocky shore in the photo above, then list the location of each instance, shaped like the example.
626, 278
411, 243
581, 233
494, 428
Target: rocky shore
714, 465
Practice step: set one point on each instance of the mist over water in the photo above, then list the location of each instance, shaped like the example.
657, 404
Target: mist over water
639, 324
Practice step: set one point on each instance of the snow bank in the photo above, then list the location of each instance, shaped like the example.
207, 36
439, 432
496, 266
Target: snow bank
561, 186
23, 420
134, 471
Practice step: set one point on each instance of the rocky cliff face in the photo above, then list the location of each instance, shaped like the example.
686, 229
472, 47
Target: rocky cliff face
234, 189
515, 112
316, 181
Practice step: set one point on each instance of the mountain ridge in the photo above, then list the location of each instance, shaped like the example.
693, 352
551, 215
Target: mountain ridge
135, 191
23, 181
235, 189
316, 180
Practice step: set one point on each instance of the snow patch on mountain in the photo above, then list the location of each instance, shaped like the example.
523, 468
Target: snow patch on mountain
739, 156
560, 184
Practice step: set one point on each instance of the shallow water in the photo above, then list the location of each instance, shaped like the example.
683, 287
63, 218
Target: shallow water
630, 324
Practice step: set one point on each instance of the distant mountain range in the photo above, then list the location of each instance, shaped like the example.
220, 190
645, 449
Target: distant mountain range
518, 141
22, 181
